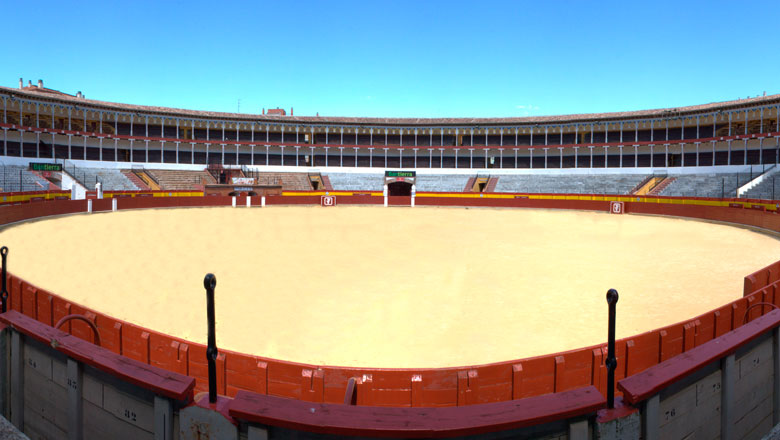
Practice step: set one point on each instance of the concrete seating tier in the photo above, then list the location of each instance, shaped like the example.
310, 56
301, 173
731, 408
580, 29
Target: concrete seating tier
18, 178
356, 181
705, 185
289, 181
111, 179
181, 179
768, 189
569, 184
442, 183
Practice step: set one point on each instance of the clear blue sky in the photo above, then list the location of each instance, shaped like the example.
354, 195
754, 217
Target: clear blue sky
399, 58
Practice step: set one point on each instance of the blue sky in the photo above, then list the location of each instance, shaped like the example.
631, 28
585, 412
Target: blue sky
398, 59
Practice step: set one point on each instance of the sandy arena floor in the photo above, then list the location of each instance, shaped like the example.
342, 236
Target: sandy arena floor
377, 287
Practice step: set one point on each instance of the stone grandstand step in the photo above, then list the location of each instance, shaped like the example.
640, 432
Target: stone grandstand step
492, 183
135, 180
441, 183
768, 189
705, 185
289, 181
469, 184
17, 178
356, 181
569, 184
181, 180
111, 179
661, 186
326, 183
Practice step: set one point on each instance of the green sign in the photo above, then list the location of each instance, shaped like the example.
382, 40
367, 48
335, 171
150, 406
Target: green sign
399, 173
36, 166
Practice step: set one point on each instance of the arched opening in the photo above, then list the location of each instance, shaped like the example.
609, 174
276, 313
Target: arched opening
399, 189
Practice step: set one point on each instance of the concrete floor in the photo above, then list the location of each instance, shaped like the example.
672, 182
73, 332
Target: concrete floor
9, 431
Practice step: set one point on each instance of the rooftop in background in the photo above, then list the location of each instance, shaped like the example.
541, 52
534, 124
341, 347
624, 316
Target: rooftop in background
279, 115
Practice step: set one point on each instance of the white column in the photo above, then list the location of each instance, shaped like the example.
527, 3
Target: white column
666, 155
636, 156
591, 152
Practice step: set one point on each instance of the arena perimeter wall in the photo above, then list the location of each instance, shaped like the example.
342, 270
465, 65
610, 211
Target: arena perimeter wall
457, 386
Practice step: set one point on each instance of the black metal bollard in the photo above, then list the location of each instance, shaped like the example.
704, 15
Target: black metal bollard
4, 291
611, 363
209, 282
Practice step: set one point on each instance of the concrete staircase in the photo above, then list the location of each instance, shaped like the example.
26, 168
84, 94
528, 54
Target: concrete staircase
660, 186
140, 184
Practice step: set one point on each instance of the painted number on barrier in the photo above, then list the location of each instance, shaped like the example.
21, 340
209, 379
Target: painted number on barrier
130, 415
669, 414
328, 201
73, 384
616, 207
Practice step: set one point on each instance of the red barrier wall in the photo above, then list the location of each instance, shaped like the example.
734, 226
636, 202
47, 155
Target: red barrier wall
403, 387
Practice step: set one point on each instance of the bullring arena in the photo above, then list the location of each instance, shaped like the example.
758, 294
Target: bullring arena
404, 278
414, 286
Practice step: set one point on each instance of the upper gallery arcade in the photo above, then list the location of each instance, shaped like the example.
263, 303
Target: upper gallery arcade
39, 122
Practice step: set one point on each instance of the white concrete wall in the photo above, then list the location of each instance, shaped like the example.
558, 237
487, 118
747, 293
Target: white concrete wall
69, 182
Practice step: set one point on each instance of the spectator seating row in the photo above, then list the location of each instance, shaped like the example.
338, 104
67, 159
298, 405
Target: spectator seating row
569, 184
19, 178
705, 185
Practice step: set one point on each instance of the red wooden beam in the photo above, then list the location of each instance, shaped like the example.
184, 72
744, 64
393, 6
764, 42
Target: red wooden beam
399, 422
162, 382
644, 385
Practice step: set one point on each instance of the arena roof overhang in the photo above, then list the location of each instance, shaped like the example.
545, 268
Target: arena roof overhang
152, 111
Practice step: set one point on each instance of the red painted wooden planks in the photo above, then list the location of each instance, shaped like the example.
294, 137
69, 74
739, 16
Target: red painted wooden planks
166, 383
651, 381
336, 419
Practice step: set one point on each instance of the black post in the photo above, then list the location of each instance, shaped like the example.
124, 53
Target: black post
4, 292
611, 363
209, 282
